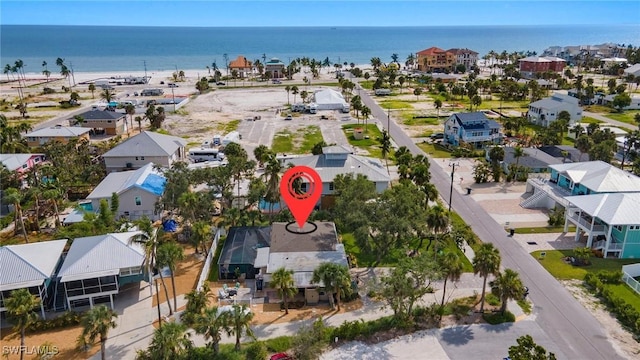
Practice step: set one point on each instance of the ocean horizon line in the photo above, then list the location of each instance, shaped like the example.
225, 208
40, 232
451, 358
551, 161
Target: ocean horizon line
328, 26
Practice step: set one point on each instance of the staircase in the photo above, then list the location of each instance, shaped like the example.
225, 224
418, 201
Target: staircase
57, 301
532, 201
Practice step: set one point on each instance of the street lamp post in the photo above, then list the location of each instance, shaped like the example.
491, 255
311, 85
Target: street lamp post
453, 171
389, 121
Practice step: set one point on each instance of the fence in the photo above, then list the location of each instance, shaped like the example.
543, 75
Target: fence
629, 272
207, 263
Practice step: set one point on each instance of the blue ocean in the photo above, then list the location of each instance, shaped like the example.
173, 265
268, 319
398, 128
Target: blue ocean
106, 48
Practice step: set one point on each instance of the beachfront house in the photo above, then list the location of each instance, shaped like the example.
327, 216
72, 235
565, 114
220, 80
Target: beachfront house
545, 111
472, 128
63, 134
275, 67
532, 65
578, 179
435, 59
101, 122
32, 267
340, 160
96, 267
144, 148
466, 57
610, 222
138, 192
242, 66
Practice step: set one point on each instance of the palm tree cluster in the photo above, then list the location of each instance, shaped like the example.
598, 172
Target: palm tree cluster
17, 70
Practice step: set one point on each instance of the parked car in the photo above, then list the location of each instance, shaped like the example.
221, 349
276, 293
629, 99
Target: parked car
173, 85
276, 81
280, 356
289, 117
220, 83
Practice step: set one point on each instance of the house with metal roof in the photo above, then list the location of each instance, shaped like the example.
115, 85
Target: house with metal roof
340, 160
545, 111
30, 266
473, 128
611, 222
97, 266
581, 178
21, 162
59, 133
275, 67
138, 192
102, 122
146, 147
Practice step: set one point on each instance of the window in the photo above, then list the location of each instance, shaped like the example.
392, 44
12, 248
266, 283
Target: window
141, 157
634, 227
24, 166
331, 186
618, 227
136, 158
36, 160
138, 200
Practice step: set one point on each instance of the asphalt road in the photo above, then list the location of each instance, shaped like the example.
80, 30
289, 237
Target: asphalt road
575, 331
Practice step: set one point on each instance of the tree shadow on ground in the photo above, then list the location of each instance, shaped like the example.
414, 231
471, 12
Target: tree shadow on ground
457, 335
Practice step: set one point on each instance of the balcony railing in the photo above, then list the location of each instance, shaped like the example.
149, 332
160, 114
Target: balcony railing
587, 224
555, 192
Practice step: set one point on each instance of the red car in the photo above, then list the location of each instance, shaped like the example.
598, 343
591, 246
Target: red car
280, 356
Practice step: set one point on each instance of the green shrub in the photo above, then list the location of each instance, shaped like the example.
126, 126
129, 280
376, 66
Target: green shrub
492, 299
278, 344
498, 318
256, 351
67, 319
624, 312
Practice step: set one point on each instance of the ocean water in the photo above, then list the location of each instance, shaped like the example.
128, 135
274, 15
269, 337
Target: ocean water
107, 48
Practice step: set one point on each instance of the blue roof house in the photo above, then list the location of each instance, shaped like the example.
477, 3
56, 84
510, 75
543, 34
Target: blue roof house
472, 128
138, 192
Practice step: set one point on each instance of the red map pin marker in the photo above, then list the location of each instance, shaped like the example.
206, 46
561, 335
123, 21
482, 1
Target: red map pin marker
301, 205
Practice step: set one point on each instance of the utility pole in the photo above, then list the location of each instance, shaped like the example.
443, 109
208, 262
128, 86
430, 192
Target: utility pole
72, 74
453, 171
145, 70
389, 121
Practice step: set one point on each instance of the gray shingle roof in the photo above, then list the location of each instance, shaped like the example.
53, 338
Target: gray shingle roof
101, 115
118, 182
28, 265
328, 169
59, 131
147, 143
614, 209
101, 255
600, 176
325, 238
534, 158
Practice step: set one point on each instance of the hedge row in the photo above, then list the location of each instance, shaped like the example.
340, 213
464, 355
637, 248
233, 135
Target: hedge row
69, 318
624, 312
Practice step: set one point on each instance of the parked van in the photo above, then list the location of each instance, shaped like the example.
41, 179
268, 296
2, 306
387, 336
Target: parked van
203, 154
233, 136
217, 140
345, 108
313, 108
383, 92
298, 107
152, 92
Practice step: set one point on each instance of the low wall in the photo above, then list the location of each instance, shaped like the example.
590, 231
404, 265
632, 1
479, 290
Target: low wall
204, 274
629, 272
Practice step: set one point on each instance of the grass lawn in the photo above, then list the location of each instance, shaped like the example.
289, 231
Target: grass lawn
409, 118
230, 126
625, 292
561, 270
312, 135
372, 144
434, 150
590, 120
627, 116
395, 104
282, 142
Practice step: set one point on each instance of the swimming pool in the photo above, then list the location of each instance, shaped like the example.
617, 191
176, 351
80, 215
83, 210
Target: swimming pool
266, 206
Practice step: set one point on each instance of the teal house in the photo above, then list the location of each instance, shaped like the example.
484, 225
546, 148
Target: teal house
610, 222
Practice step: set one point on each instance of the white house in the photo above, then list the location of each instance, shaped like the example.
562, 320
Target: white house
29, 266
544, 112
632, 70
635, 101
138, 192
146, 147
339, 160
97, 266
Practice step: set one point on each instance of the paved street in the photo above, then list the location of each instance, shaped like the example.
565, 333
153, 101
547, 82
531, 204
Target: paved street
563, 319
610, 121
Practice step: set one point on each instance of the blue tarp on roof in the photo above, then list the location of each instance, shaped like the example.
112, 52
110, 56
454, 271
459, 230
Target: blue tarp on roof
154, 184
170, 225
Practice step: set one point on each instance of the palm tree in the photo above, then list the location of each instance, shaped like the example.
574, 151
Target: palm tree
139, 121
170, 341
52, 194
200, 233
365, 115
437, 221
211, 323
197, 301
240, 318
335, 278
107, 95
385, 146
518, 152
451, 268
169, 254
282, 280
438, 105
20, 305
15, 197
272, 178
294, 91
130, 110
288, 90
486, 262
506, 286
96, 323
148, 238
260, 153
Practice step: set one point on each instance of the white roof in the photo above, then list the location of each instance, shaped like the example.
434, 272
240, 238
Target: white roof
28, 265
262, 258
118, 182
15, 161
59, 131
599, 176
613, 209
633, 69
304, 261
329, 96
147, 143
101, 255
328, 167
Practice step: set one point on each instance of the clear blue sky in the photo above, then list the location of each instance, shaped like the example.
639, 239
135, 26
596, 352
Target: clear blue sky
318, 13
